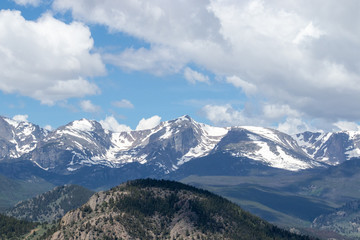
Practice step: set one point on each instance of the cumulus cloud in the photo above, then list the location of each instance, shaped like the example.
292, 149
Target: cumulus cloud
347, 126
110, 123
247, 87
158, 60
88, 106
275, 111
160, 22
28, 2
289, 53
193, 76
224, 115
124, 103
46, 59
21, 118
148, 123
294, 125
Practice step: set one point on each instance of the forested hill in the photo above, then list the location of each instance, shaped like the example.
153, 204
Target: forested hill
51, 205
11, 228
159, 209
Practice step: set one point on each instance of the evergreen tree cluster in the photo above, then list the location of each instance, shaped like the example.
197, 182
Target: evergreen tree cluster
51, 205
11, 228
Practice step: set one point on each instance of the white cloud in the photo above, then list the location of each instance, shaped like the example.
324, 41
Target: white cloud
292, 54
111, 124
160, 22
124, 103
224, 115
247, 87
48, 127
294, 125
275, 111
148, 123
193, 76
310, 31
158, 60
347, 126
88, 106
21, 118
28, 2
46, 59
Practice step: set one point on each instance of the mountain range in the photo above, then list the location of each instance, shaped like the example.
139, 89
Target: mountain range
286, 179
165, 148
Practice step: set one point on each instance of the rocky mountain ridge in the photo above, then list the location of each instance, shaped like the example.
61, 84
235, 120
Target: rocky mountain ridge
169, 145
331, 148
18, 137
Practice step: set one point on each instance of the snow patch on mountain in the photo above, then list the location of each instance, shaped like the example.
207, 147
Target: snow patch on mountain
209, 137
264, 132
11, 122
277, 159
168, 133
83, 125
353, 153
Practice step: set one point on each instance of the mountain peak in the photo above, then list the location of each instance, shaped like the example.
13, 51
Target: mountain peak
11, 122
185, 118
82, 125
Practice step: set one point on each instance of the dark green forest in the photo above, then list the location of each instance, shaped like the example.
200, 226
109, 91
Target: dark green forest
12, 228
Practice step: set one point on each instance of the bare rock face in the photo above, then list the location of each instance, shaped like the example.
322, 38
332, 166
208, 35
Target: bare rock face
159, 209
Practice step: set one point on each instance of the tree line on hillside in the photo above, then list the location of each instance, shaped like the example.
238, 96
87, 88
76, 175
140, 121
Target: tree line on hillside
12, 228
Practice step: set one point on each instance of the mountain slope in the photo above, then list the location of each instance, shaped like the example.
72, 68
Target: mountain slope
51, 205
11, 228
332, 148
344, 220
18, 137
269, 146
12, 191
153, 209
282, 197
71, 146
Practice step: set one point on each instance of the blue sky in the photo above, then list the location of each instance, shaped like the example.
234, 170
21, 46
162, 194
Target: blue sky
284, 65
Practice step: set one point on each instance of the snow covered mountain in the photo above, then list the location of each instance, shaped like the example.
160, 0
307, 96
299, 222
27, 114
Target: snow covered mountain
86, 143
18, 138
168, 146
270, 146
72, 146
331, 148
